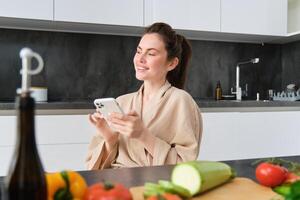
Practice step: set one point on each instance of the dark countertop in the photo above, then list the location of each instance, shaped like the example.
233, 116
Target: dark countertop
138, 176
51, 105
203, 104
246, 103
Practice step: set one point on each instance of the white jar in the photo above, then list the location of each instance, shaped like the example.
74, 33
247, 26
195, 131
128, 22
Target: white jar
40, 94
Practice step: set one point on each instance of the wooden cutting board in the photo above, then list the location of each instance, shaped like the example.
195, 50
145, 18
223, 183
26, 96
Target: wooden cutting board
237, 189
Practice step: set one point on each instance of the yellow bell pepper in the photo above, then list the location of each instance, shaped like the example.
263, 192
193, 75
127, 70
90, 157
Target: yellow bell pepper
66, 185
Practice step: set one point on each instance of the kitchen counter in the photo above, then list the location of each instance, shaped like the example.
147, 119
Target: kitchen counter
206, 105
137, 176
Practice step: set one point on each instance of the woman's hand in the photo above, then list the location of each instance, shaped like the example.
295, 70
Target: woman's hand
130, 124
103, 128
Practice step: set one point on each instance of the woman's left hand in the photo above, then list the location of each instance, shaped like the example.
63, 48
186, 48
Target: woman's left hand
130, 124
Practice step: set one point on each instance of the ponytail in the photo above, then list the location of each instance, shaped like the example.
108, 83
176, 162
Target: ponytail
176, 46
178, 75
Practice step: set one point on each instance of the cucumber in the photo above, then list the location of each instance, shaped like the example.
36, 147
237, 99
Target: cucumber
199, 176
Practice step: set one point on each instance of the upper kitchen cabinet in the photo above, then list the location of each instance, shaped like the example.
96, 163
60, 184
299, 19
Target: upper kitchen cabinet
112, 12
199, 15
293, 16
29, 9
293, 22
260, 17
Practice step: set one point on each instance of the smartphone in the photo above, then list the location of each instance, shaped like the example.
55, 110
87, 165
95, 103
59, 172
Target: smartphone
107, 105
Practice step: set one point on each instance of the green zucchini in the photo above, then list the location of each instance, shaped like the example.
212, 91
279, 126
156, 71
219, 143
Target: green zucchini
152, 189
200, 176
174, 189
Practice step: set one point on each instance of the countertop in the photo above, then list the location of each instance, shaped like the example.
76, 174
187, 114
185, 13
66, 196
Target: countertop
206, 105
137, 176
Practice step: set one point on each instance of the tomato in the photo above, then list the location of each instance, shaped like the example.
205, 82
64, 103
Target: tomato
100, 191
270, 175
291, 178
165, 196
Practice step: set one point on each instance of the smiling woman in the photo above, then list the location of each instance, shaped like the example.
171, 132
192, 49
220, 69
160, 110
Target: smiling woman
162, 124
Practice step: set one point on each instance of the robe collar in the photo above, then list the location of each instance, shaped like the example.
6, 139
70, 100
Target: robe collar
153, 101
147, 116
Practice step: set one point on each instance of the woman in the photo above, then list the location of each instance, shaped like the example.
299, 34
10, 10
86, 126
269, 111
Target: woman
163, 124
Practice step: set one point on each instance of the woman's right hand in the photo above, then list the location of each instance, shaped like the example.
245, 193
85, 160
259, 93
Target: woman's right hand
109, 136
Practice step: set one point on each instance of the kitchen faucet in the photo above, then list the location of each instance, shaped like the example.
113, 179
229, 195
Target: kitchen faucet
238, 91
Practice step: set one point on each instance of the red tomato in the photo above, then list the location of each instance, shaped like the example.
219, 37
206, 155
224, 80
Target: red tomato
101, 191
270, 175
291, 178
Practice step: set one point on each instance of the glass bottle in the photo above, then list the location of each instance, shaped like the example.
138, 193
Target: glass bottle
26, 179
218, 91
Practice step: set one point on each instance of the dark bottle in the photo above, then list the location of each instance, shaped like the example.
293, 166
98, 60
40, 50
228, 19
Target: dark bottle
218, 91
26, 179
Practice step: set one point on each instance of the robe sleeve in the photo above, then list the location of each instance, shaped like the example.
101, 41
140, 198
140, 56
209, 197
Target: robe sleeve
187, 125
94, 158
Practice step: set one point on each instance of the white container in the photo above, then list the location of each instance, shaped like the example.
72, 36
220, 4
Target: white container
40, 94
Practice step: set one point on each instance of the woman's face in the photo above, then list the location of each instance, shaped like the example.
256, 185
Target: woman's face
150, 60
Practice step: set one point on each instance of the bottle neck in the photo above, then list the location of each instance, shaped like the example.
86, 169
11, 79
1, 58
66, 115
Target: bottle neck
25, 120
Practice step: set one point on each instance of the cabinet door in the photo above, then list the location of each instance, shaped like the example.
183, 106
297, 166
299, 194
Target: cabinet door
201, 15
62, 141
114, 12
30, 9
293, 16
261, 17
235, 136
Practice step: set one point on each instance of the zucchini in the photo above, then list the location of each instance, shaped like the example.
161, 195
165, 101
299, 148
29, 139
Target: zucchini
152, 189
199, 176
170, 187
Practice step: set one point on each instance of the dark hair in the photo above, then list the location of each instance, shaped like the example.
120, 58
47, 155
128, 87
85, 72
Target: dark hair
176, 46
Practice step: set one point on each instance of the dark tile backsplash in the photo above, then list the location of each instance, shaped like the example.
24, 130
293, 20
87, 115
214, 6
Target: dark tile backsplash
213, 61
291, 63
80, 67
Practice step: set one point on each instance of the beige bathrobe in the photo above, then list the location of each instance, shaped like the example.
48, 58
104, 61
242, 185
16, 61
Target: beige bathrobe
172, 116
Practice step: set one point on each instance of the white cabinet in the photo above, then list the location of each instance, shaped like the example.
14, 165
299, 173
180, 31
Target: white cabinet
201, 15
29, 9
261, 17
235, 135
112, 12
222, 20
293, 16
62, 141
